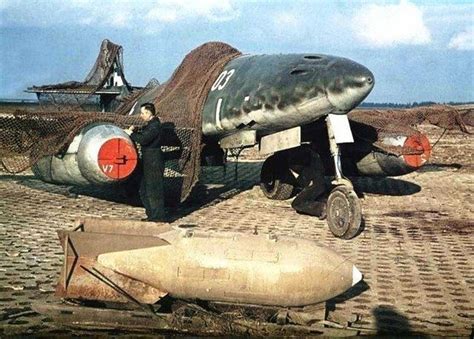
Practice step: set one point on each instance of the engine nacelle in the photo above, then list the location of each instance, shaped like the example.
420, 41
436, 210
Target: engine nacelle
378, 163
100, 154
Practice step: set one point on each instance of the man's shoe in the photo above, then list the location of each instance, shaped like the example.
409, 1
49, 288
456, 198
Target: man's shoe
154, 220
323, 215
158, 220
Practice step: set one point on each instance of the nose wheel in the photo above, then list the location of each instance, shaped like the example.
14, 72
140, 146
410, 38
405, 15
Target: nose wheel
344, 213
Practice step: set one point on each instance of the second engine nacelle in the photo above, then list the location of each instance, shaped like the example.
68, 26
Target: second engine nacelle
379, 163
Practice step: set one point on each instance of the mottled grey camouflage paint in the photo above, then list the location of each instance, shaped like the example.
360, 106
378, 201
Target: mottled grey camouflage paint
269, 93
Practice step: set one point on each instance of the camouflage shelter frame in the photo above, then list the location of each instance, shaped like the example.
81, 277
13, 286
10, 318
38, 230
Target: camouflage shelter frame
75, 95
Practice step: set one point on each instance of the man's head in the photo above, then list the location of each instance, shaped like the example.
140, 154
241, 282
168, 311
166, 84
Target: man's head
147, 111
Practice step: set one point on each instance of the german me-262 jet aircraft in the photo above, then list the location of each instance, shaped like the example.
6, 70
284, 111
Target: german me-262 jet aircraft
289, 105
279, 102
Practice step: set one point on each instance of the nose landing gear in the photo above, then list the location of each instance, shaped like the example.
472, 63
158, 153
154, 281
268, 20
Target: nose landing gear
344, 212
285, 171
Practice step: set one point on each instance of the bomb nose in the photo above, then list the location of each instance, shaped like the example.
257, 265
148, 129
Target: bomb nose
356, 275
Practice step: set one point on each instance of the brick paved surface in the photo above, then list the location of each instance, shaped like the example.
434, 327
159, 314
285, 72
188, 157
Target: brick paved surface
416, 251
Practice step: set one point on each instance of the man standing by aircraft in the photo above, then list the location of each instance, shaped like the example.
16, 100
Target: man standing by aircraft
151, 185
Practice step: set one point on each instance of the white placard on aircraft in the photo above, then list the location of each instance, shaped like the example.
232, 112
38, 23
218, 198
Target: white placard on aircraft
341, 128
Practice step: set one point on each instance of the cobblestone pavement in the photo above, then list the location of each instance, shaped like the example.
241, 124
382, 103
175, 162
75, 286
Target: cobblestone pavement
416, 250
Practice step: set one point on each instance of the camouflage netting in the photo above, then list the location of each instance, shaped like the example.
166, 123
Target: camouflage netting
129, 101
182, 99
467, 115
392, 123
26, 137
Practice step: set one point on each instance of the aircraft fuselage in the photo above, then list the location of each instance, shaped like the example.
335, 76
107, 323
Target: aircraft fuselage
270, 93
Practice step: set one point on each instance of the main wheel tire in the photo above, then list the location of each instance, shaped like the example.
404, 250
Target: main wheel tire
275, 178
344, 213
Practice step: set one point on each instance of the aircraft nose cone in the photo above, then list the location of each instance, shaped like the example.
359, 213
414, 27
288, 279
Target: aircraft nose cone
365, 79
348, 84
354, 75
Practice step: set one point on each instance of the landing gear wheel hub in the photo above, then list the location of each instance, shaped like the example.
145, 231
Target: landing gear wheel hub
344, 214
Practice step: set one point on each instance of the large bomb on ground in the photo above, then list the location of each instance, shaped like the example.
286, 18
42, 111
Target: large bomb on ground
145, 262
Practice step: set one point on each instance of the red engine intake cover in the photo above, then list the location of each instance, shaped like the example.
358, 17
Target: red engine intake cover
420, 143
117, 158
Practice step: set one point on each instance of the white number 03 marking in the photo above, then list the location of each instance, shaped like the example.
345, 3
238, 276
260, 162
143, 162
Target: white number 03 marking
222, 80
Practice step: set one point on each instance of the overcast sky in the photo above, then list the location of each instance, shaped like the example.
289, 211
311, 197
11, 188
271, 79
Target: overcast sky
417, 50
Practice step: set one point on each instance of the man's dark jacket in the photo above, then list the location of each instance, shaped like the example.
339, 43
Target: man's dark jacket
149, 136
151, 187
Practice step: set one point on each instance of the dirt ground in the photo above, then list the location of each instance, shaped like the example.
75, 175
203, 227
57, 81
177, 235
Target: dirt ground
416, 250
